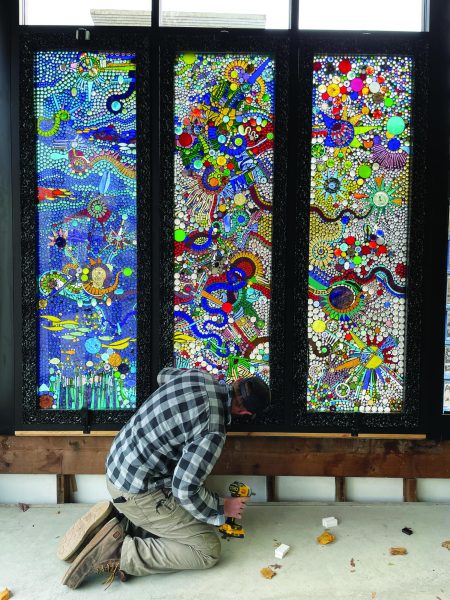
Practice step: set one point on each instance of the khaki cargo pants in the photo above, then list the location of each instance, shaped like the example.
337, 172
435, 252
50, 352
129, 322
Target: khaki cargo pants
178, 541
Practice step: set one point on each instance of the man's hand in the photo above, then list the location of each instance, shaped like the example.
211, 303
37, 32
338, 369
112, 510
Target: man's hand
234, 507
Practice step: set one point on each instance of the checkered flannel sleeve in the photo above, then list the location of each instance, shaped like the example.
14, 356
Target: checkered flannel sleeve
195, 464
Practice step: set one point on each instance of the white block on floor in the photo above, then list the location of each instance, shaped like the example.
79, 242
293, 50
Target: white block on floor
329, 522
281, 551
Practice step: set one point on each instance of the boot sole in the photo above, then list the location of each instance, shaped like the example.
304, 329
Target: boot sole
80, 531
99, 537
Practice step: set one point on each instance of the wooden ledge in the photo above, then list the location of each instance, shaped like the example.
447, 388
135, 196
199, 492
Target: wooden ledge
374, 436
245, 455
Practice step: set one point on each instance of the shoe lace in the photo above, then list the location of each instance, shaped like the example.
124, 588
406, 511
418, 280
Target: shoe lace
111, 567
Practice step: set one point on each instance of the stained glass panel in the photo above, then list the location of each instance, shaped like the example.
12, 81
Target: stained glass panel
85, 109
224, 133
360, 192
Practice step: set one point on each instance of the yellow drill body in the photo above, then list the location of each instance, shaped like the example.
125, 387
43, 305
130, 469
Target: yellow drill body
231, 527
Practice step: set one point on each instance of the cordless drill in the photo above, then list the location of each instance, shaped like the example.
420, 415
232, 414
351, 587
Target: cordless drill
231, 528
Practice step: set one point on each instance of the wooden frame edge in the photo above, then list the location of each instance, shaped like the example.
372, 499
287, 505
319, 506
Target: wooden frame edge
379, 436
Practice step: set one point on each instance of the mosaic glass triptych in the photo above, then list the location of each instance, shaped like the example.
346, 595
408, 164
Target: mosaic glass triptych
224, 136
360, 193
224, 127
85, 109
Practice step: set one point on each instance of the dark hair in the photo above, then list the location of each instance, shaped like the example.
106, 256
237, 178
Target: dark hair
255, 394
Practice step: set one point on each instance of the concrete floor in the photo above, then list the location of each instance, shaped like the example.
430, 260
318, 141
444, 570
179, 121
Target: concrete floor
30, 569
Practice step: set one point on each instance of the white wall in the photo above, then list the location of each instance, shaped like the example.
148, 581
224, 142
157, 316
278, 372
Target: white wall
433, 490
315, 489
373, 489
28, 489
90, 488
41, 489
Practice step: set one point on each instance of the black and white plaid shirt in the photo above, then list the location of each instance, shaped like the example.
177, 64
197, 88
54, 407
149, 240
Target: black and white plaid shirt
174, 440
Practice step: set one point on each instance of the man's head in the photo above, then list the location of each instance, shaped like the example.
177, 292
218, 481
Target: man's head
251, 395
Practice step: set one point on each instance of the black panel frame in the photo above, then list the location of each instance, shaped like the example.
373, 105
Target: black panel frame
437, 219
289, 351
412, 418
8, 14
28, 415
276, 45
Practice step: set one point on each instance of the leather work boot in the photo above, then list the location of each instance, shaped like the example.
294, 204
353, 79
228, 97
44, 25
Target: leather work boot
84, 530
100, 555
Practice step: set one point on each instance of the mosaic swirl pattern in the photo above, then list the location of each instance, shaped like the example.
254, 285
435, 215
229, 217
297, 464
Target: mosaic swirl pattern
360, 189
85, 109
224, 132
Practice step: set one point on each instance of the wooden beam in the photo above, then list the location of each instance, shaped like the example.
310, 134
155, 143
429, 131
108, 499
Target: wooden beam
410, 490
270, 489
64, 489
340, 492
336, 457
268, 456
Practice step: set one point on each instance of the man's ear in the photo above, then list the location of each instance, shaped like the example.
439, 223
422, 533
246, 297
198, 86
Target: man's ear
243, 411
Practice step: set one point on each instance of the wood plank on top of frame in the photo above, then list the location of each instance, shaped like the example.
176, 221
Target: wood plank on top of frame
270, 456
378, 436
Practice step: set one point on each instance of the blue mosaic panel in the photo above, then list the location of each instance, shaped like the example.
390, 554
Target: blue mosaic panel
85, 108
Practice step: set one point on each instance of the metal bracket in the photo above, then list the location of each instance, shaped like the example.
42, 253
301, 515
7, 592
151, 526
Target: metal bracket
82, 34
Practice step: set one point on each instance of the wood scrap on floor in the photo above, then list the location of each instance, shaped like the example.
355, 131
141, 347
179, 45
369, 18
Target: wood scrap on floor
326, 538
267, 573
398, 551
446, 544
5, 595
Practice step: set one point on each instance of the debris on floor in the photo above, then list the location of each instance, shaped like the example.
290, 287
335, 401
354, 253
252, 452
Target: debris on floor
398, 551
5, 595
326, 538
374, 595
267, 573
275, 566
276, 543
446, 544
281, 550
352, 564
23, 507
329, 522
407, 530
